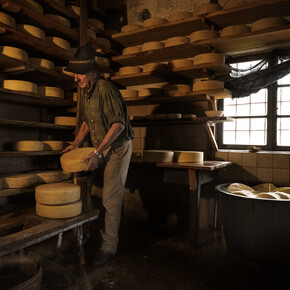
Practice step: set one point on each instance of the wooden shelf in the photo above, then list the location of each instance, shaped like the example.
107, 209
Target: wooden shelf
167, 75
249, 13
15, 191
28, 124
28, 153
161, 32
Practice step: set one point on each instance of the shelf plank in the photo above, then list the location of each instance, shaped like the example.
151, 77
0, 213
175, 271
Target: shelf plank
164, 54
28, 124
15, 191
160, 32
26, 153
249, 13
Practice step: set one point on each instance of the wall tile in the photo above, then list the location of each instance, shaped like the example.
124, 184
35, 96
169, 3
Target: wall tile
136, 144
249, 175
281, 161
137, 132
221, 156
249, 159
235, 158
265, 175
281, 176
265, 160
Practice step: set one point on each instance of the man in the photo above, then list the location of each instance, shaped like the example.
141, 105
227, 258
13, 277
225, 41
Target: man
104, 116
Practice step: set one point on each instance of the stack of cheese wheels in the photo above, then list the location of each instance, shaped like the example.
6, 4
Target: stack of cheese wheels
45, 63
20, 181
179, 15
180, 63
131, 28
131, 50
14, 52
154, 66
96, 24
208, 85
59, 19
32, 30
22, 86
28, 145
269, 22
58, 200
129, 94
152, 45
210, 57
188, 156
178, 40
154, 21
65, 120
72, 161
60, 42
53, 145
52, 92
128, 70
150, 92
177, 90
234, 30
49, 176
33, 5
158, 156
203, 35
7, 19
207, 8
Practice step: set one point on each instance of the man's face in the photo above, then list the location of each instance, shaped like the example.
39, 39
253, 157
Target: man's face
83, 80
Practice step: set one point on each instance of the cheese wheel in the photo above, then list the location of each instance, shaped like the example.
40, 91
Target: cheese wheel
174, 116
158, 156
131, 28
178, 40
59, 211
154, 21
53, 145
152, 45
64, 120
72, 160
207, 85
57, 193
180, 63
131, 50
50, 92
150, 92
177, 90
208, 58
45, 63
14, 52
128, 70
154, 66
207, 8
128, 94
19, 181
203, 35
91, 33
103, 42
59, 42
33, 5
283, 189
269, 22
244, 193
31, 30
189, 116
234, 30
22, 86
265, 187
7, 19
74, 9
28, 145
66, 175
188, 156
239, 186
179, 15
283, 195
49, 177
96, 24
268, 195
60, 19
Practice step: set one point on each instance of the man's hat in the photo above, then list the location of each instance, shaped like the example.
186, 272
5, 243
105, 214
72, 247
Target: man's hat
83, 61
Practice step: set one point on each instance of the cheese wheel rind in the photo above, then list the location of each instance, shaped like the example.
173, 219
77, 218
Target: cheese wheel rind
154, 66
131, 28
60, 19
154, 21
53, 92
158, 156
203, 35
131, 50
269, 22
32, 30
127, 70
49, 176
234, 30
207, 85
239, 186
41, 62
147, 92
60, 42
14, 52
178, 40
177, 89
19, 181
33, 5
188, 156
65, 121
207, 8
28, 145
129, 94
7, 19
23, 86
180, 63
208, 58
152, 45
53, 145
179, 15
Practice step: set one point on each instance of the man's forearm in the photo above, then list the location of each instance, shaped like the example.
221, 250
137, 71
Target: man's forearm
83, 132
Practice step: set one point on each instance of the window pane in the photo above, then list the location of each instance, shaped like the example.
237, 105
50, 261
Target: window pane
243, 137
260, 96
258, 138
243, 124
283, 94
243, 110
283, 131
229, 137
229, 126
285, 80
230, 111
283, 101
258, 124
258, 110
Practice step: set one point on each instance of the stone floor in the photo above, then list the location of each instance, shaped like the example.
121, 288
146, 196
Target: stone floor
157, 260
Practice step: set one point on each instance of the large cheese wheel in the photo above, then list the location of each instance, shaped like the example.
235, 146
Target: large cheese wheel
14, 52
96, 24
239, 186
178, 40
188, 156
158, 156
244, 193
131, 50
45, 63
33, 5
154, 21
283, 195
28, 145
177, 90
179, 15
53, 145
154, 66
19, 181
72, 160
7, 19
180, 63
60, 19
150, 92
128, 70
64, 120
207, 8
23, 86
152, 45
59, 42
49, 177
203, 35
131, 28
57, 193
207, 85
285, 189
234, 30
74, 9
50, 92
265, 187
32, 30
128, 94
210, 57
103, 42
59, 211
268, 195
269, 22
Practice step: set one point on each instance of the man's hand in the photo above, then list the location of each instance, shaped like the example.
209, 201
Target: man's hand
70, 148
93, 162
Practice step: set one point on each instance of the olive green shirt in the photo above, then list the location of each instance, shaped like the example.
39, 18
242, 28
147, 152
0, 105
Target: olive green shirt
102, 106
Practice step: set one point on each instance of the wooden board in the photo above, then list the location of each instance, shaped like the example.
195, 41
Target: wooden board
28, 153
